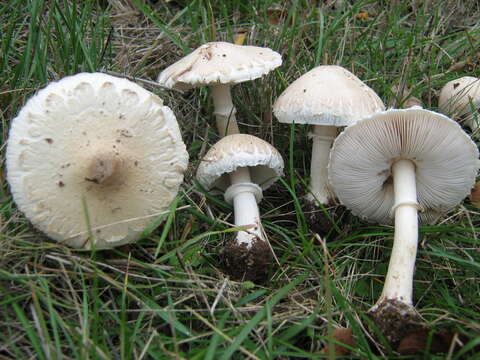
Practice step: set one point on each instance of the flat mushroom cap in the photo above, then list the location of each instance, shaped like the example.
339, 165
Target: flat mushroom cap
457, 96
327, 95
240, 150
217, 63
69, 126
446, 162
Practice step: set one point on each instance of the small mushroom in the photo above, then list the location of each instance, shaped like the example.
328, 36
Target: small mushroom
92, 159
326, 97
387, 168
460, 99
219, 65
242, 166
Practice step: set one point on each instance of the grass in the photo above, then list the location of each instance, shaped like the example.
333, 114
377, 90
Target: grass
166, 296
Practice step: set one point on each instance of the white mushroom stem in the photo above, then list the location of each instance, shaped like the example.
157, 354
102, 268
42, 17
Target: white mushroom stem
245, 196
224, 110
399, 280
323, 137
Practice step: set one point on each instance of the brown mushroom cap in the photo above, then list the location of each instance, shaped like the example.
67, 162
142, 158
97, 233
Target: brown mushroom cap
445, 158
220, 63
102, 125
327, 95
240, 150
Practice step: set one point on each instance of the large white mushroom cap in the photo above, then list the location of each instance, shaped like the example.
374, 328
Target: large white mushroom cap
327, 95
100, 123
445, 158
457, 98
240, 150
220, 63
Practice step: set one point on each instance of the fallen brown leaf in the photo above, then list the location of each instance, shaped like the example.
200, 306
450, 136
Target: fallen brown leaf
418, 341
342, 335
475, 195
275, 14
239, 38
362, 16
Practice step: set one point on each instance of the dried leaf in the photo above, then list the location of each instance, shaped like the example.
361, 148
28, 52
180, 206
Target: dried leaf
344, 336
362, 16
275, 14
460, 65
239, 38
475, 195
418, 340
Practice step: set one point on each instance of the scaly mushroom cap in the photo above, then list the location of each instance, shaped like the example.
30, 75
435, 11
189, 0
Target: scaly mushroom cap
458, 96
220, 63
240, 150
327, 95
445, 158
96, 147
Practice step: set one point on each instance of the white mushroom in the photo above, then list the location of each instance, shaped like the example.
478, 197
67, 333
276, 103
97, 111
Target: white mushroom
92, 159
226, 167
327, 97
390, 166
460, 99
219, 65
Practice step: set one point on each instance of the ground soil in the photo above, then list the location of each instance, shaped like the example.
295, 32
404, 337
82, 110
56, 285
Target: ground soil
243, 263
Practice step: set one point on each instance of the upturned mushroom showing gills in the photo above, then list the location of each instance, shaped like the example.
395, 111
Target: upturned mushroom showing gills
460, 99
92, 159
326, 97
390, 167
219, 65
242, 166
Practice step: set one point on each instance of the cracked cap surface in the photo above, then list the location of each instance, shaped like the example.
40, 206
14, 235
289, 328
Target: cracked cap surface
76, 123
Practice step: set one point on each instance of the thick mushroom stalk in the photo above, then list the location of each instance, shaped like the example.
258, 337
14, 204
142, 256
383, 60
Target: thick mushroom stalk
394, 312
323, 137
387, 167
224, 110
245, 196
399, 280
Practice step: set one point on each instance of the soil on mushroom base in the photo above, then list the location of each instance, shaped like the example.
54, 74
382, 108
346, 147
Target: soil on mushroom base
321, 223
244, 263
396, 320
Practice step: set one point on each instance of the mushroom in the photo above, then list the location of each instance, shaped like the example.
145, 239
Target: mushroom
387, 168
327, 97
219, 65
242, 166
92, 159
460, 99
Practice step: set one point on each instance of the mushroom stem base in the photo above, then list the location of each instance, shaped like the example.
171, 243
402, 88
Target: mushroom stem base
247, 263
395, 320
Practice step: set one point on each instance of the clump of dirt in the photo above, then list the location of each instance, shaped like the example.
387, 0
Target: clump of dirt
396, 320
243, 263
322, 221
